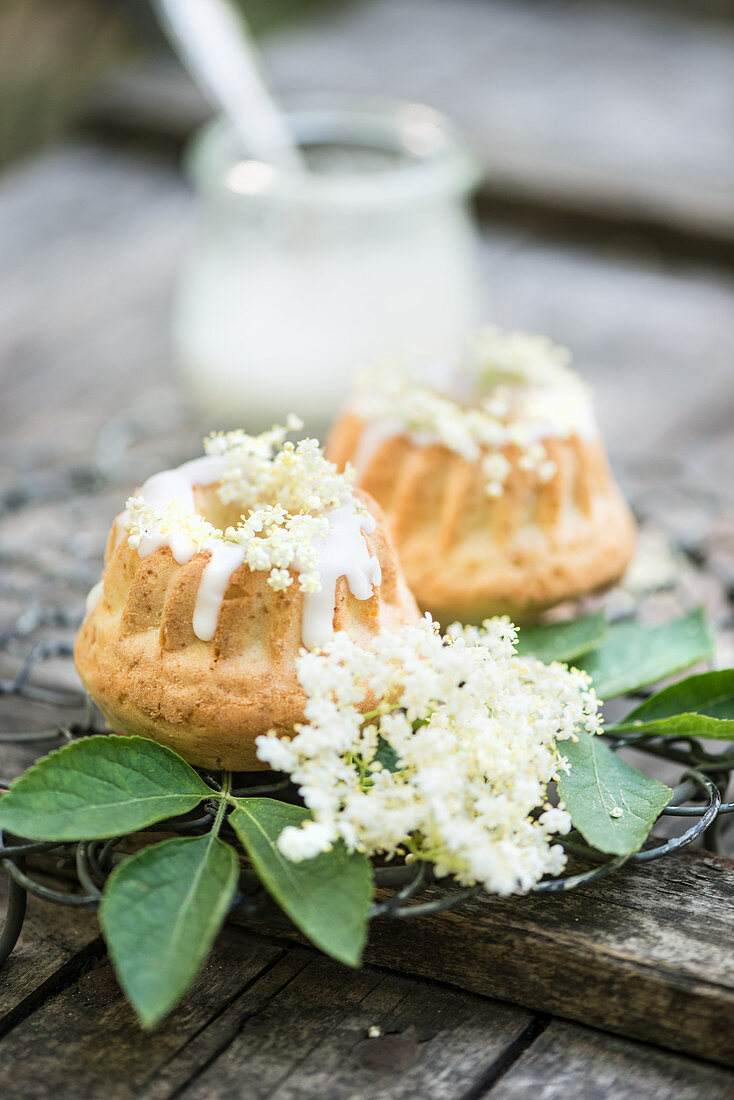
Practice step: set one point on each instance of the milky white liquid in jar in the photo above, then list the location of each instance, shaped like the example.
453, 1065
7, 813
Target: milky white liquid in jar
294, 282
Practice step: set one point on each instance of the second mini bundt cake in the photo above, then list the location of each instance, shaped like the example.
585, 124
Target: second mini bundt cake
493, 478
216, 575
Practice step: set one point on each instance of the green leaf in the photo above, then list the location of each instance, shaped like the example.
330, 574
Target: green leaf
386, 754
327, 897
700, 706
160, 914
562, 641
599, 785
634, 656
100, 787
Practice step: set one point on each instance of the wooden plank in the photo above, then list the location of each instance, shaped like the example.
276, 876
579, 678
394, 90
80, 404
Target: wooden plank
645, 953
311, 1040
572, 1063
297, 1021
577, 109
214, 1039
577, 105
19, 714
54, 945
86, 1039
89, 241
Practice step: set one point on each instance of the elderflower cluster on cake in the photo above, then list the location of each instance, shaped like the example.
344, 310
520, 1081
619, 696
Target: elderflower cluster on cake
492, 475
453, 769
509, 390
282, 492
216, 575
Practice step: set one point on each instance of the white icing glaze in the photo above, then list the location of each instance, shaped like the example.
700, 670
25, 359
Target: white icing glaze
225, 558
374, 434
377, 432
94, 596
457, 382
343, 553
179, 484
174, 485
538, 431
473, 409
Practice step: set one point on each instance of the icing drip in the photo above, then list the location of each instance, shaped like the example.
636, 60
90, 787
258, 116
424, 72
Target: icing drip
94, 596
379, 431
178, 485
343, 553
160, 489
174, 485
374, 434
226, 557
508, 390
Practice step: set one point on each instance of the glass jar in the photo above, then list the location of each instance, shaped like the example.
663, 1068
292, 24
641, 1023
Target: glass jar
296, 280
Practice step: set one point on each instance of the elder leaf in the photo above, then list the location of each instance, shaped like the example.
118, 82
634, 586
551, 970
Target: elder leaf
160, 914
613, 805
101, 786
327, 897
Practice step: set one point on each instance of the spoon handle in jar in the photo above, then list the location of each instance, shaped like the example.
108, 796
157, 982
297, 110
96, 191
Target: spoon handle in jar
214, 42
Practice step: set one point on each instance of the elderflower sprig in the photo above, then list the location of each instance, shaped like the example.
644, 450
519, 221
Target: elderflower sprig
142, 519
453, 769
266, 468
285, 492
275, 540
510, 390
520, 357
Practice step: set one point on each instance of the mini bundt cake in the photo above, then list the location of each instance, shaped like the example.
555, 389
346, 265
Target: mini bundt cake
493, 478
215, 576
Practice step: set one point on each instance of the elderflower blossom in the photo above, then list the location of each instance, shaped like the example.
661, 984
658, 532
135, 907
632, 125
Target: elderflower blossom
284, 492
510, 390
453, 769
142, 518
265, 468
520, 357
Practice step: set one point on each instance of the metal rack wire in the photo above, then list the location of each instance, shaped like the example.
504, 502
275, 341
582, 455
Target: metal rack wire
698, 797
42, 633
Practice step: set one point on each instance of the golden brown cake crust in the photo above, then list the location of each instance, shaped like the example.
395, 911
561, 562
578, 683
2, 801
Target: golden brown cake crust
467, 555
142, 664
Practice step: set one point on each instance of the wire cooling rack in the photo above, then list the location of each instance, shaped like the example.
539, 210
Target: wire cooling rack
87, 864
44, 589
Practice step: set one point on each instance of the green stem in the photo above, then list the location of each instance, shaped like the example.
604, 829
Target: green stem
384, 708
224, 798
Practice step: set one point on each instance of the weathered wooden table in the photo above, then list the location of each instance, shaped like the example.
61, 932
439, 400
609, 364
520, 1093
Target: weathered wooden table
624, 988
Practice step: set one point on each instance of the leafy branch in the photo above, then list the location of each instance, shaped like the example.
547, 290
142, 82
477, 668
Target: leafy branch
163, 907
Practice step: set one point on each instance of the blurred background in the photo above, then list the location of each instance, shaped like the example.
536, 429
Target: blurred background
603, 130
604, 209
